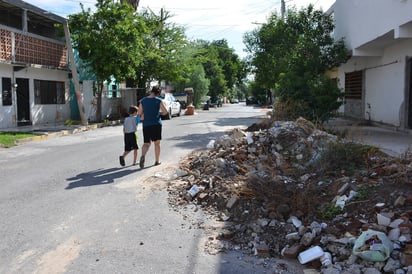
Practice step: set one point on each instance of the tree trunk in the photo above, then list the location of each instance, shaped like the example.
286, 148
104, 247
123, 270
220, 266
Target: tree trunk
99, 101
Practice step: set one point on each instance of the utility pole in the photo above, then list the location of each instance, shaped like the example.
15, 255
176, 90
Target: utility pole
79, 96
282, 9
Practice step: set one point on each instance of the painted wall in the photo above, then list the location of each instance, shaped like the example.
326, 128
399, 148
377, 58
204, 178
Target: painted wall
361, 21
384, 85
380, 42
39, 114
7, 113
112, 108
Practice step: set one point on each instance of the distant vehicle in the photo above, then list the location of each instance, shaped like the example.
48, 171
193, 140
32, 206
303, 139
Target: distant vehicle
182, 98
234, 101
172, 105
215, 102
251, 101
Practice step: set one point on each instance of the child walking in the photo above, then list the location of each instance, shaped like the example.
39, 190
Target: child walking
130, 137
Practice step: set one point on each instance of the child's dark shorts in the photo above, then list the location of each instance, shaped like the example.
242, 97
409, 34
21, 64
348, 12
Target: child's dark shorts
130, 141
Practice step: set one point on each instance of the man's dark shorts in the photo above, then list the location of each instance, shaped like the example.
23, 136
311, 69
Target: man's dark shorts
130, 141
152, 133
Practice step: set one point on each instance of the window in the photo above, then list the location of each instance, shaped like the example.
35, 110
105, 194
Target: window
49, 92
6, 91
353, 85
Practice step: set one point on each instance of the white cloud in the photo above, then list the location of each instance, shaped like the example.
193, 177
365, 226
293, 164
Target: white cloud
208, 20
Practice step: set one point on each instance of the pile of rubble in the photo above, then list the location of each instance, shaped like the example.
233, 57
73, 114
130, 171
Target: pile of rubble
282, 189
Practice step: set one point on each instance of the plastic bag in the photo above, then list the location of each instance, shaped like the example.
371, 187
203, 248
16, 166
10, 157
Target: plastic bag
373, 246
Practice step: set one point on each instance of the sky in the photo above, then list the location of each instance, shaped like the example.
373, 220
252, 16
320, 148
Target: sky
207, 20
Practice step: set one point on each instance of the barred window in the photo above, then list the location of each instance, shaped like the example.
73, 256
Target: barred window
353, 85
49, 92
6, 91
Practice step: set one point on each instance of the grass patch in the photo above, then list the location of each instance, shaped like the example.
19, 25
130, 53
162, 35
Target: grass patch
330, 212
8, 139
347, 157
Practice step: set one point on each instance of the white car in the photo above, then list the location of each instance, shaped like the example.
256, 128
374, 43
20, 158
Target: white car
172, 105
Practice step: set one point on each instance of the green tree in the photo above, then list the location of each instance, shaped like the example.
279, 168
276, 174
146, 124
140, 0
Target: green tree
291, 56
110, 40
193, 74
222, 66
200, 84
165, 42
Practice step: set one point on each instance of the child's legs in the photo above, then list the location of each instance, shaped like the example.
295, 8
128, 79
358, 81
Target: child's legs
134, 156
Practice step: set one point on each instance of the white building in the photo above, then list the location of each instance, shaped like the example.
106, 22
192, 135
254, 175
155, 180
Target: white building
378, 76
34, 78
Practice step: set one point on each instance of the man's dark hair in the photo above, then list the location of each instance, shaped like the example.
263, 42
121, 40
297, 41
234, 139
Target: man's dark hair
156, 90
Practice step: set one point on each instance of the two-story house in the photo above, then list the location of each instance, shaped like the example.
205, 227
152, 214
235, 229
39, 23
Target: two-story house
377, 79
34, 76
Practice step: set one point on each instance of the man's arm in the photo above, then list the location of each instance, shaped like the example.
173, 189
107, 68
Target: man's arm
163, 109
140, 112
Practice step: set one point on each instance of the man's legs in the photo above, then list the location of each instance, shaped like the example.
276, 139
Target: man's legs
157, 151
145, 148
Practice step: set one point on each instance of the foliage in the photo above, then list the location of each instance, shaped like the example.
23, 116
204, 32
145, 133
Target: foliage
8, 139
222, 66
221, 71
193, 74
163, 52
199, 83
291, 57
329, 212
118, 43
347, 156
363, 192
110, 40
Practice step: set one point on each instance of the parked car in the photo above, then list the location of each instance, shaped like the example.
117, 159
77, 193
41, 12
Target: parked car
251, 101
215, 102
172, 105
234, 101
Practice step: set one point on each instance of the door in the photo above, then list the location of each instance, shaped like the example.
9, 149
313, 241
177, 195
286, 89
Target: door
23, 102
409, 88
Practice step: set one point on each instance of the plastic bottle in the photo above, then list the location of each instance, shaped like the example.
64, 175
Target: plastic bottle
192, 192
326, 259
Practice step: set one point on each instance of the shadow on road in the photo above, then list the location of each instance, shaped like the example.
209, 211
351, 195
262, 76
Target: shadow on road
98, 177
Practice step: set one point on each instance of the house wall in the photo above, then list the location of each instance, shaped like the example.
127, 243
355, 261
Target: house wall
112, 108
379, 42
361, 21
31, 48
39, 114
7, 113
384, 85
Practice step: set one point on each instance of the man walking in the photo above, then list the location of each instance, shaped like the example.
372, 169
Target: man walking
150, 110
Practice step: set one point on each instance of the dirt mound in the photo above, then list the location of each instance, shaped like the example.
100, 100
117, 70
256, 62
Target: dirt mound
282, 187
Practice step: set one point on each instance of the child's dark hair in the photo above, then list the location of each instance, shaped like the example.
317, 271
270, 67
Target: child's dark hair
132, 109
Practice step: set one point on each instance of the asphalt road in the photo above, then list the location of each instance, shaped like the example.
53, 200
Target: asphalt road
66, 205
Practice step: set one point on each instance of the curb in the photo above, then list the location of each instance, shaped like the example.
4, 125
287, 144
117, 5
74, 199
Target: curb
65, 132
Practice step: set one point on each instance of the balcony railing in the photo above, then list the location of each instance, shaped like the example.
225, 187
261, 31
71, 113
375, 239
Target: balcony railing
26, 49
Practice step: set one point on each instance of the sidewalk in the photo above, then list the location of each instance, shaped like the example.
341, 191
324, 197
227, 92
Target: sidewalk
55, 130
389, 139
